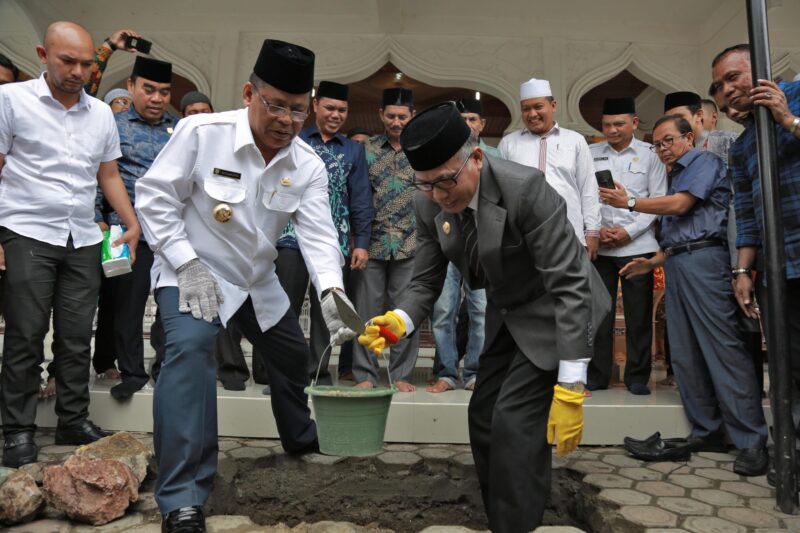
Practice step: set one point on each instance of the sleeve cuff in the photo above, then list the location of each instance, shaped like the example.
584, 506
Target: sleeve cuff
573, 371
407, 319
361, 242
178, 253
591, 233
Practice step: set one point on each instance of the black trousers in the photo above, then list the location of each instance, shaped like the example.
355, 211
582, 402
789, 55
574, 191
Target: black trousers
508, 433
119, 320
637, 298
293, 275
41, 278
231, 365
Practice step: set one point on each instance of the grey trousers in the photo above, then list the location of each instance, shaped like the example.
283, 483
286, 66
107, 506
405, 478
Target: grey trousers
715, 374
41, 278
379, 288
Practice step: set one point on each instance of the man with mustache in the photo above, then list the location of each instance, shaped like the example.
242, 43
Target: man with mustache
393, 239
213, 206
732, 77
563, 155
144, 129
56, 145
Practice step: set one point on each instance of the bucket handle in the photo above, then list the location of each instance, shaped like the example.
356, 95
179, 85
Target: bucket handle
330, 348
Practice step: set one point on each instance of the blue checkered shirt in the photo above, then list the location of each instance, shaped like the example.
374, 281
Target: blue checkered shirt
747, 186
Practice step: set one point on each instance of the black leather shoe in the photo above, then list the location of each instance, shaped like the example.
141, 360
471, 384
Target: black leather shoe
19, 449
184, 520
82, 433
659, 450
751, 462
654, 439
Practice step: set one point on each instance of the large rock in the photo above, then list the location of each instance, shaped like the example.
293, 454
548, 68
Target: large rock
122, 447
95, 491
20, 498
36, 470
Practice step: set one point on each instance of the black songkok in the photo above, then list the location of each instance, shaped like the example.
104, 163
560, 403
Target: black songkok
470, 106
619, 106
331, 89
152, 69
286, 66
398, 96
431, 138
682, 98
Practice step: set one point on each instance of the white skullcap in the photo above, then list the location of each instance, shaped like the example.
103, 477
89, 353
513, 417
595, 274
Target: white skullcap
534, 88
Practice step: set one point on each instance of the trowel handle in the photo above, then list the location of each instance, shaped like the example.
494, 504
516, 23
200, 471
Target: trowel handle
387, 334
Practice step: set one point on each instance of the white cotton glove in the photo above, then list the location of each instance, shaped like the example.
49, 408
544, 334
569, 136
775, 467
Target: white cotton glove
198, 291
339, 332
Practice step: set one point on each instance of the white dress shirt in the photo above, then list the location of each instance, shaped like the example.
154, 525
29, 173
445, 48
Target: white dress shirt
568, 371
643, 175
569, 171
212, 159
49, 182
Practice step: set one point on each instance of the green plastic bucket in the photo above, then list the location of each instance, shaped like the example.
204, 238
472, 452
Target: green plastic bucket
350, 421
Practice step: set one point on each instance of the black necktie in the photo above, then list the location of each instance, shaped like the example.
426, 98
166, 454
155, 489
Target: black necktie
470, 232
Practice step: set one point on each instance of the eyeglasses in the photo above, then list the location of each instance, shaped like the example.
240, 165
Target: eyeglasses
278, 111
442, 182
666, 143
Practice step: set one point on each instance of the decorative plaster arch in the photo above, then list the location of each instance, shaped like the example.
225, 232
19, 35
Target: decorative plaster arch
637, 63
120, 69
790, 62
419, 67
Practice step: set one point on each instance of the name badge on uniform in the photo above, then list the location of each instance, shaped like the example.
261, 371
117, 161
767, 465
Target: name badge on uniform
222, 213
227, 173
604, 158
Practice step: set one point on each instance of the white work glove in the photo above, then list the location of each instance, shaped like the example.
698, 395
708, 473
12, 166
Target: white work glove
198, 291
339, 332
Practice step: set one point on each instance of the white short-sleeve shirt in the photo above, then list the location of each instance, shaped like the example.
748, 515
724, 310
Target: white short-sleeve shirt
52, 154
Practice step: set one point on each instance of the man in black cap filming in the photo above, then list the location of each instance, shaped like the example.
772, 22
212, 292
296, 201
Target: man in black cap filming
507, 230
213, 206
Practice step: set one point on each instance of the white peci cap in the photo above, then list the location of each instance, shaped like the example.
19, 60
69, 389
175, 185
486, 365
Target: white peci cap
534, 88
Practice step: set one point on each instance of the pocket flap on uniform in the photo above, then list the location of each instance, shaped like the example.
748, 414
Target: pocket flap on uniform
281, 201
224, 190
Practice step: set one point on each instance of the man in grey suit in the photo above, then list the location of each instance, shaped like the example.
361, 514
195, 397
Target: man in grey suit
506, 230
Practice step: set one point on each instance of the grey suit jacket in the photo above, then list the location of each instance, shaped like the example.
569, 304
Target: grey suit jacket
541, 283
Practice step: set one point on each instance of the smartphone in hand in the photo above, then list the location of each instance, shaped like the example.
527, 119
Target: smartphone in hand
137, 43
605, 179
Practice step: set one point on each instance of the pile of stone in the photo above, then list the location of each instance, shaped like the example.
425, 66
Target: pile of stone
95, 485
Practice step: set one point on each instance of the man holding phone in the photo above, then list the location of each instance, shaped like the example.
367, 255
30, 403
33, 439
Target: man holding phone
626, 235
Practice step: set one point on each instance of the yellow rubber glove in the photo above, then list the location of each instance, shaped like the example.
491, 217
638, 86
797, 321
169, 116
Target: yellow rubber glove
565, 425
383, 331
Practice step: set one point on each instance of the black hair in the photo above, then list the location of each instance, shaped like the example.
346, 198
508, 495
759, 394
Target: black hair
357, 131
7, 63
681, 123
742, 47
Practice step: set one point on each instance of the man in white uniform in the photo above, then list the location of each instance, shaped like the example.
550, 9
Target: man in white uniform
625, 236
563, 155
213, 205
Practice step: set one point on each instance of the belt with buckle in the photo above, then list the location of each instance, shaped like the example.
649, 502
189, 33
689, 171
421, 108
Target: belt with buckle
694, 245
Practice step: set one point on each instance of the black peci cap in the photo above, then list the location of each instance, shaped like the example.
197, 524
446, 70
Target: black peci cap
152, 69
286, 66
432, 137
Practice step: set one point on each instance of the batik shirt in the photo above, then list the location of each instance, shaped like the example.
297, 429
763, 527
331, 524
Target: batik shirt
348, 188
140, 142
394, 230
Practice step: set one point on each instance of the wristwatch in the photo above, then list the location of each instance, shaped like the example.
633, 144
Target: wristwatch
737, 271
330, 290
110, 44
631, 203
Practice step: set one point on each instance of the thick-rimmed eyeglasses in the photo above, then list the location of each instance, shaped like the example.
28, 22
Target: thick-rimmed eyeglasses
666, 143
280, 112
442, 182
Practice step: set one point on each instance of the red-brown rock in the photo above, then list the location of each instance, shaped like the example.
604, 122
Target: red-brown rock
20, 498
95, 491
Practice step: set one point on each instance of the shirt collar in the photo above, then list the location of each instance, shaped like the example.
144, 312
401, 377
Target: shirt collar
313, 131
686, 159
132, 114
244, 137
636, 145
473, 204
43, 91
